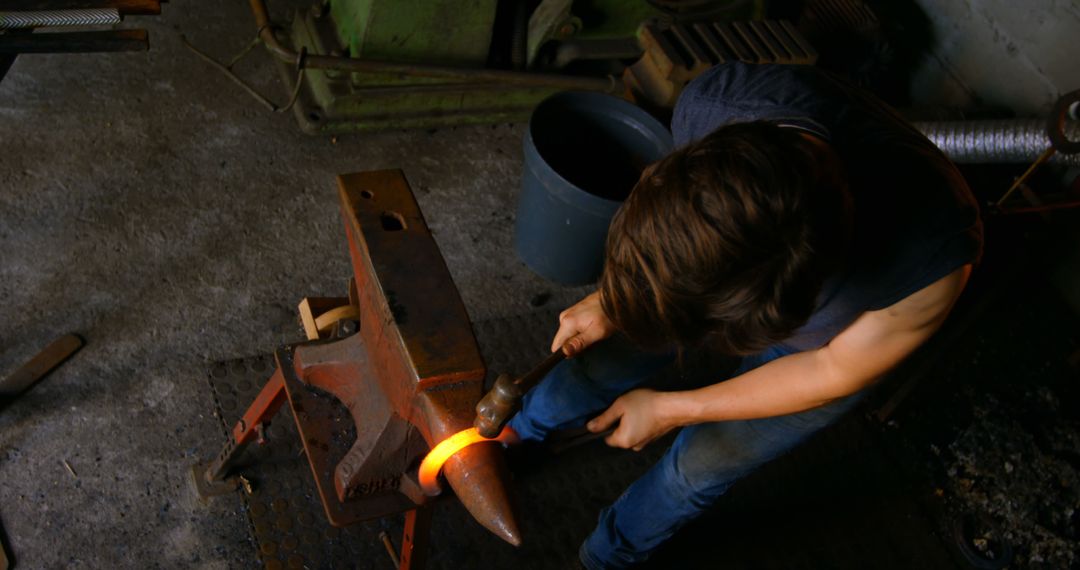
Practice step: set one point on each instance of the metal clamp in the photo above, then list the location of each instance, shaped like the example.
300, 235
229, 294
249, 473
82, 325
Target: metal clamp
1055, 127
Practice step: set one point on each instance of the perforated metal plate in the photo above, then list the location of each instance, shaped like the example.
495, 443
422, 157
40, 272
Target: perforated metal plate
287, 519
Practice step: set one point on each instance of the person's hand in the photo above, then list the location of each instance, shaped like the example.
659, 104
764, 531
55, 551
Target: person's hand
582, 325
642, 418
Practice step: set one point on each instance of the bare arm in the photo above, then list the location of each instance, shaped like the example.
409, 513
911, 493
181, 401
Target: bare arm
872, 345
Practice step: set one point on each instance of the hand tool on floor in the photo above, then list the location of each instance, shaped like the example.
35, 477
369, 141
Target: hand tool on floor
504, 399
26, 376
37, 367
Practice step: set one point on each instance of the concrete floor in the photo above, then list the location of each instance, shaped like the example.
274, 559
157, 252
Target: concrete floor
151, 206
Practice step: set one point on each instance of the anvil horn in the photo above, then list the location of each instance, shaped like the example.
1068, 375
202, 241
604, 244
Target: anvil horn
476, 474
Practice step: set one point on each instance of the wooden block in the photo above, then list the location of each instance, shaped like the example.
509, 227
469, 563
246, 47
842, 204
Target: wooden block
313, 311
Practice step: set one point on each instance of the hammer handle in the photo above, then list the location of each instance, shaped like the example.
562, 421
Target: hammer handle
526, 382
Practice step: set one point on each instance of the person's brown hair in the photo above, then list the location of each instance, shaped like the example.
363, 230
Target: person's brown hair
725, 242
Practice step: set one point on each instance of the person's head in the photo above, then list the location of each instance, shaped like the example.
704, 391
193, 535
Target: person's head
726, 241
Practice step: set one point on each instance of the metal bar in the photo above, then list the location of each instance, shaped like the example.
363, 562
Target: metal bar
40, 365
390, 549
607, 84
59, 18
260, 411
1045, 156
414, 544
571, 50
134, 7
1043, 208
75, 42
250, 426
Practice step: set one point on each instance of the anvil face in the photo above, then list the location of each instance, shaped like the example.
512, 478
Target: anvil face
410, 377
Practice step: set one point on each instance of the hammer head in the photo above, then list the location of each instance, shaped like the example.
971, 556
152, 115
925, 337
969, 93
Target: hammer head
496, 407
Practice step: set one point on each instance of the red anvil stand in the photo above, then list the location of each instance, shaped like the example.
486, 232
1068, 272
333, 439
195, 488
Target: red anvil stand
410, 376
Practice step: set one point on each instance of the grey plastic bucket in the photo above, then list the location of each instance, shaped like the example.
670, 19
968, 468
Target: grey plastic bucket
583, 154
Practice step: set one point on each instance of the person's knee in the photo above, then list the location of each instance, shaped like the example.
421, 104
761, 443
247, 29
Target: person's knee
711, 460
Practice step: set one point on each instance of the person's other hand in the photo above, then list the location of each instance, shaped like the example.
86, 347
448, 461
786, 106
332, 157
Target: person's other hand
641, 416
582, 325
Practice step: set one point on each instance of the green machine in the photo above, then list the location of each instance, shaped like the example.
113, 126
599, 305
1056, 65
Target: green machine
364, 65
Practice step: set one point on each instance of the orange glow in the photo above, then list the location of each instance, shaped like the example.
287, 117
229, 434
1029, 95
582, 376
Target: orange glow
433, 462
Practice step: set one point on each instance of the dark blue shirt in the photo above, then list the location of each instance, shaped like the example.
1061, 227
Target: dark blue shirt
915, 218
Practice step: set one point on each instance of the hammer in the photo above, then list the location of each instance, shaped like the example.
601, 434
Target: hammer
504, 399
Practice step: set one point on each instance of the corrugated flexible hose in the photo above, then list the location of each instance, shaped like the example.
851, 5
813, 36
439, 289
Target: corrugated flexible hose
998, 141
59, 18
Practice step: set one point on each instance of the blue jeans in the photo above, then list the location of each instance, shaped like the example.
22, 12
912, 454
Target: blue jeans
705, 460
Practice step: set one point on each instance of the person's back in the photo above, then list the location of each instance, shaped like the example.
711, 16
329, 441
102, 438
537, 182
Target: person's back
914, 218
801, 224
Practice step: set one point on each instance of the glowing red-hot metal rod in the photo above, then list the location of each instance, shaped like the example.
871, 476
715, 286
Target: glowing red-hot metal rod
445, 449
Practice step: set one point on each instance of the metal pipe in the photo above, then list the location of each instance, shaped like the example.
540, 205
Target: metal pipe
59, 18
998, 141
607, 84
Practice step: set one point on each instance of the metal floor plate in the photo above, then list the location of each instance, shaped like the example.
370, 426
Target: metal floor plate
834, 503
287, 518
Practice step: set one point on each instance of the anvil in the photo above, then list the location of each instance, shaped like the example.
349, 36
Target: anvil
410, 376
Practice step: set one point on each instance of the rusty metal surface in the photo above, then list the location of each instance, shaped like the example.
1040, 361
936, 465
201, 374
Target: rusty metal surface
327, 432
410, 377
403, 283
